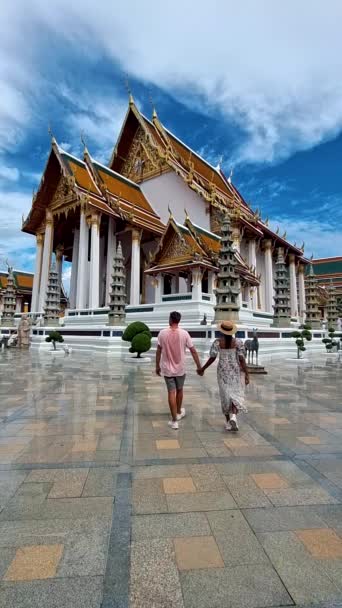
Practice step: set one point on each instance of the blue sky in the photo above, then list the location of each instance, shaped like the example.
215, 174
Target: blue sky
258, 84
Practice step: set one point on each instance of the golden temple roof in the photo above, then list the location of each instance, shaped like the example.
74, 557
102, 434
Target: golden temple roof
23, 281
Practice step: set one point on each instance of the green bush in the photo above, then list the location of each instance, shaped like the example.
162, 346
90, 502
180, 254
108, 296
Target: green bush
331, 341
301, 336
54, 336
133, 329
140, 337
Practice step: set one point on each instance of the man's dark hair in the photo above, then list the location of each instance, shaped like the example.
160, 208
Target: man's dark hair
175, 317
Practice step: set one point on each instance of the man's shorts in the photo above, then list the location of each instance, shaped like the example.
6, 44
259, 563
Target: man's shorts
174, 383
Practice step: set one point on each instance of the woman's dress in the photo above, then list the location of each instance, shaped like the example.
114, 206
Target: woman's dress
229, 376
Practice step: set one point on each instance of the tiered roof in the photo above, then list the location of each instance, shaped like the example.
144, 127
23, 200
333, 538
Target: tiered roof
88, 181
23, 281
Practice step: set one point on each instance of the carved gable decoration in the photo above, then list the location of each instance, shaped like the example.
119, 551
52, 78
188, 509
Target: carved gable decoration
143, 159
174, 249
64, 194
216, 219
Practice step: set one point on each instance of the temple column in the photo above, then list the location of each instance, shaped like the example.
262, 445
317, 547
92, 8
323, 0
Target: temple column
94, 278
197, 284
82, 262
301, 292
48, 239
74, 265
111, 248
293, 285
59, 263
158, 288
252, 264
135, 268
211, 285
37, 273
268, 276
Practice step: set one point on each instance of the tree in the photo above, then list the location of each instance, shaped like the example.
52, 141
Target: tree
330, 342
54, 336
140, 337
301, 336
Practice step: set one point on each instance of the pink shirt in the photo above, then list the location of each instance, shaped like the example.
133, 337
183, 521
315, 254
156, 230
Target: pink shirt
173, 343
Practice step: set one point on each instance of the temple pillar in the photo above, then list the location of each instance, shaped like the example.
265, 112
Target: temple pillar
197, 284
37, 273
212, 285
158, 288
111, 248
268, 276
301, 292
48, 240
94, 277
253, 299
59, 263
293, 285
82, 262
74, 265
135, 268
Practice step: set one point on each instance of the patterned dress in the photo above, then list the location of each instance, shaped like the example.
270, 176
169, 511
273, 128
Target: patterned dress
229, 376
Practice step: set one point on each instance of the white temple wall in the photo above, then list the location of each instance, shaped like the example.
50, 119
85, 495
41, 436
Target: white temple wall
170, 190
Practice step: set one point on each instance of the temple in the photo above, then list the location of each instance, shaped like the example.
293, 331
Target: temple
22, 283
165, 205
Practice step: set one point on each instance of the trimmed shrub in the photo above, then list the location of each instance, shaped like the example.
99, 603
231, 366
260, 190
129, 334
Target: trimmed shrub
137, 327
301, 336
140, 337
54, 336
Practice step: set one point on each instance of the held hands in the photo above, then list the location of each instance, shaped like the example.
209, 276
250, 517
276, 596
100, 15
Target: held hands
246, 379
158, 372
200, 371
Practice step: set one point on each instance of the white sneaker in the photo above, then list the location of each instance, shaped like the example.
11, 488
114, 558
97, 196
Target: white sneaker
182, 414
233, 422
173, 425
227, 426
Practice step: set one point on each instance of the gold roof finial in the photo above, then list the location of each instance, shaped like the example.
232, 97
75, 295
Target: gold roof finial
266, 221
284, 235
277, 231
187, 217
128, 89
302, 247
170, 213
83, 142
230, 176
53, 140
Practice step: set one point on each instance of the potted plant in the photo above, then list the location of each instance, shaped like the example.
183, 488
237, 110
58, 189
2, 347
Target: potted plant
54, 337
139, 335
302, 334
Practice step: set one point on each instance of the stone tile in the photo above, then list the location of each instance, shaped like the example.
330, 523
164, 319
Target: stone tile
237, 543
206, 478
310, 440
246, 492
304, 579
269, 481
321, 543
200, 501
197, 552
256, 451
149, 503
34, 562
178, 485
147, 486
7, 555
240, 587
100, 482
306, 495
167, 444
88, 445
154, 576
235, 442
84, 592
63, 508
282, 518
278, 420
161, 471
330, 514
170, 525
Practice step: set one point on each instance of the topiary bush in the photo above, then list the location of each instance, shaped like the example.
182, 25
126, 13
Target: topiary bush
301, 336
54, 336
330, 342
140, 337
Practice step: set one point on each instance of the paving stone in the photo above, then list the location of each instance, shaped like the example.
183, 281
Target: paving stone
309, 495
246, 492
167, 444
304, 579
276, 519
178, 485
269, 481
63, 508
170, 525
321, 543
154, 575
237, 542
331, 514
149, 503
240, 587
162, 471
200, 501
197, 553
100, 482
85, 592
147, 487
34, 562
206, 478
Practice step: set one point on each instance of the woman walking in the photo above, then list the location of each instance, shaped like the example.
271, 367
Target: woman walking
230, 369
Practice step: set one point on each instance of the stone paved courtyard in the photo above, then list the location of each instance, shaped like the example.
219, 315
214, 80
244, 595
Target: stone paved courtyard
102, 505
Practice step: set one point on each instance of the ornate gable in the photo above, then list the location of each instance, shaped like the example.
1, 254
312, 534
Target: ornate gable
143, 159
174, 249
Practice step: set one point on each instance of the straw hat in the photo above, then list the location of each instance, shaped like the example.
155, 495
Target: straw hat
228, 328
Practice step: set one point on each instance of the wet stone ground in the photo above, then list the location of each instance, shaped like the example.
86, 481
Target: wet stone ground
103, 505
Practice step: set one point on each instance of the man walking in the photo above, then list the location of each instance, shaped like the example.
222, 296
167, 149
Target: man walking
170, 363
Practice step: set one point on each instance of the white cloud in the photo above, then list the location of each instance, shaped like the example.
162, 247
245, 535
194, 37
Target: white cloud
14, 244
10, 174
66, 276
321, 238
